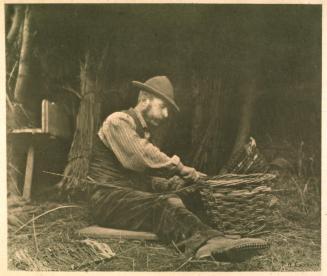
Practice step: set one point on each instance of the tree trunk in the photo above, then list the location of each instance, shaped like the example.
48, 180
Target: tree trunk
207, 140
13, 48
249, 96
24, 69
197, 97
16, 116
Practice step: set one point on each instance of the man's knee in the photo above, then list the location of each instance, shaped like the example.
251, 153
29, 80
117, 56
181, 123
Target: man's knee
175, 201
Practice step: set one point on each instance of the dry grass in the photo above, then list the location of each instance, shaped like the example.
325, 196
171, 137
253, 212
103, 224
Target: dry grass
295, 239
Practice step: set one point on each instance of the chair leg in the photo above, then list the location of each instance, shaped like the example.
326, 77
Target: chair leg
29, 173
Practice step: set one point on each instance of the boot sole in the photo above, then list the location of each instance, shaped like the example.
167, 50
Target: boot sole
239, 253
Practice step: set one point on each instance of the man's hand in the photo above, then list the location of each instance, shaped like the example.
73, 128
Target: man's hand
201, 174
190, 174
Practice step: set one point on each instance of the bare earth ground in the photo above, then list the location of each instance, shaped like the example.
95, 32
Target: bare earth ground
295, 240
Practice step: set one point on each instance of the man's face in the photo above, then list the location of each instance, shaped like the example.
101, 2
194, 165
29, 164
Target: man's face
156, 112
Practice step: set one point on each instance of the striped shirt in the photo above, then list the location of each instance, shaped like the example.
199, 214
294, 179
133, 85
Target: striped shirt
118, 133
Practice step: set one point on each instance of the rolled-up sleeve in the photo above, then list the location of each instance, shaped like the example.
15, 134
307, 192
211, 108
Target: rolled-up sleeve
118, 132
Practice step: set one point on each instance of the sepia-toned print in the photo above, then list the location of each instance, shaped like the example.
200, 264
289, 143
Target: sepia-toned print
163, 137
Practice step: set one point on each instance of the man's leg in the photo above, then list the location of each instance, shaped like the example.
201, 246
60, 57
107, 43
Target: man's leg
190, 197
170, 220
165, 215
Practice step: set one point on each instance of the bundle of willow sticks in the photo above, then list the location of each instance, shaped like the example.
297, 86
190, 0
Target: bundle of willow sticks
248, 159
87, 124
237, 204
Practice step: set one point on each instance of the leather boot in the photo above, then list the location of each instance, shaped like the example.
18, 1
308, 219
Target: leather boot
231, 250
192, 244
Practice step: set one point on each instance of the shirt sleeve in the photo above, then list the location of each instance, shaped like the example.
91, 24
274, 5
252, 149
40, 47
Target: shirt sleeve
135, 153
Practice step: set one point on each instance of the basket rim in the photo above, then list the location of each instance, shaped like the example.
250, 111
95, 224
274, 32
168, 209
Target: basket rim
227, 180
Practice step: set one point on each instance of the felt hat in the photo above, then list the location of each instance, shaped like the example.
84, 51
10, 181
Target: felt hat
159, 86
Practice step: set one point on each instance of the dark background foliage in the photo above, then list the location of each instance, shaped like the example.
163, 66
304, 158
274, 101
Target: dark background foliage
277, 46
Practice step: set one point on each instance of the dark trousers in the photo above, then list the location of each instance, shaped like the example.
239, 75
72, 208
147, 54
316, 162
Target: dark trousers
165, 215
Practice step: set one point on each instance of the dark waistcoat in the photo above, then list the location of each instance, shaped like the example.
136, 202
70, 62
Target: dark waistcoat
105, 168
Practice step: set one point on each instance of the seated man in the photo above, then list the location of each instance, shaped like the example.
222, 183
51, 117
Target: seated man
123, 161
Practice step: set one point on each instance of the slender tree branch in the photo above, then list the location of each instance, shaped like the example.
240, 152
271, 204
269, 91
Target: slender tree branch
16, 23
24, 69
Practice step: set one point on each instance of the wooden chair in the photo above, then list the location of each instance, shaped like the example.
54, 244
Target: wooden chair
54, 125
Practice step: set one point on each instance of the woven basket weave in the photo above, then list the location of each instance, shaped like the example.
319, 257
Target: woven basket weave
237, 204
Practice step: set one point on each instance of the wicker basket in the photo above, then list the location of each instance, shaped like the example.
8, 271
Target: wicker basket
237, 204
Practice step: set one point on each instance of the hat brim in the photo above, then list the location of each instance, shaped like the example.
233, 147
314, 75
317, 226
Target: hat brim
156, 93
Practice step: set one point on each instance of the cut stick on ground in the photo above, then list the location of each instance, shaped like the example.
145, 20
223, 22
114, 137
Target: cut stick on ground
35, 239
178, 250
43, 214
109, 233
183, 264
